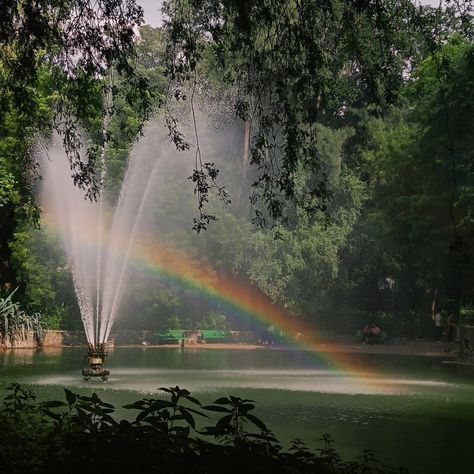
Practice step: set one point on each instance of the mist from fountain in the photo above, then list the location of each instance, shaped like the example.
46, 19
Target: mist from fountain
97, 238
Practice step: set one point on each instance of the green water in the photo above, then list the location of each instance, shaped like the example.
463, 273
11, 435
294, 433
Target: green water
416, 412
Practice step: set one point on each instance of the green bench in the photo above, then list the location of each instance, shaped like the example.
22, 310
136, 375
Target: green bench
172, 336
215, 335
380, 339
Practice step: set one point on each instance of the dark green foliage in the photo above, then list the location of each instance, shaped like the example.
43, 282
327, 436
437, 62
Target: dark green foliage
421, 176
44, 277
72, 104
292, 63
82, 435
78, 42
58, 61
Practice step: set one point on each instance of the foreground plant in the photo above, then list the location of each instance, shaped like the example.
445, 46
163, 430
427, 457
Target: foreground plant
81, 433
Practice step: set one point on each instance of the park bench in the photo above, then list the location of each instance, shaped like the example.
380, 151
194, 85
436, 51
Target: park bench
380, 339
171, 336
215, 335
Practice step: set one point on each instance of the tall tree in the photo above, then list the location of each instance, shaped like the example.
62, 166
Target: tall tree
421, 166
286, 60
56, 63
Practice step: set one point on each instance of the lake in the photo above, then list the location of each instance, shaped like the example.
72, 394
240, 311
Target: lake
412, 411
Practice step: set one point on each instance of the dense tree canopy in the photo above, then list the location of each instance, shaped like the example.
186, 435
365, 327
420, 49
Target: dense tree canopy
351, 122
421, 171
293, 64
58, 60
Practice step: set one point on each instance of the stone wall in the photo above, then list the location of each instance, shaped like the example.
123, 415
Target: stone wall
125, 337
243, 337
53, 338
131, 337
29, 342
73, 338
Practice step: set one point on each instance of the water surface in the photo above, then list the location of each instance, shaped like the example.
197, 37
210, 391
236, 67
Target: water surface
413, 411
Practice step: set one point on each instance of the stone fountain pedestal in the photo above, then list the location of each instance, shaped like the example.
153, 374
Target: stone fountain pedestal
95, 357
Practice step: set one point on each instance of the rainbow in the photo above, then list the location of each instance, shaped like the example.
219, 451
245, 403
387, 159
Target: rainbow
176, 267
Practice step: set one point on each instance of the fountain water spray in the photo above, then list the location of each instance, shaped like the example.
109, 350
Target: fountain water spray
98, 237
98, 240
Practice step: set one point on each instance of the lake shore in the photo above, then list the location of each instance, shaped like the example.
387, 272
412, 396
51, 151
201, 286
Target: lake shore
330, 344
415, 348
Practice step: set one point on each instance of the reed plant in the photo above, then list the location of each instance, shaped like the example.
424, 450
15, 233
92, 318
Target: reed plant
16, 323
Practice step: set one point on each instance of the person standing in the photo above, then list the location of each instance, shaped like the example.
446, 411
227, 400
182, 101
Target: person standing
451, 328
438, 326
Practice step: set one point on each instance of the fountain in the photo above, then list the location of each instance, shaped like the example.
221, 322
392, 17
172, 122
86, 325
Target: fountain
95, 358
98, 239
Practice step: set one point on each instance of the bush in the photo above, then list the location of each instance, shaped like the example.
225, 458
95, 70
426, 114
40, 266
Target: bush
80, 434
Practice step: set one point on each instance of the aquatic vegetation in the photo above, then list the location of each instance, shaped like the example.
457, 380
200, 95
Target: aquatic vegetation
15, 323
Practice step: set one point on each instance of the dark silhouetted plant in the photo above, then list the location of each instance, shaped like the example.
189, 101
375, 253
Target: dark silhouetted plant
81, 435
236, 414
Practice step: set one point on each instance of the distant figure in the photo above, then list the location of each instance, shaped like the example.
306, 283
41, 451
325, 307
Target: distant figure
367, 333
375, 330
182, 341
451, 328
438, 326
371, 333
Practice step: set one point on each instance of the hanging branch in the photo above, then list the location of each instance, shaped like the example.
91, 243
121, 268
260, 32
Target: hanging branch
283, 58
76, 42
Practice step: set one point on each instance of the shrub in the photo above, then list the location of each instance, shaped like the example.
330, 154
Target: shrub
81, 434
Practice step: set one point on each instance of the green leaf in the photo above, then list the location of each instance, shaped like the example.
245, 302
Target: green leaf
167, 390
192, 410
217, 408
109, 419
193, 400
223, 401
70, 397
54, 404
188, 417
224, 423
138, 405
95, 398
246, 407
107, 405
142, 415
256, 421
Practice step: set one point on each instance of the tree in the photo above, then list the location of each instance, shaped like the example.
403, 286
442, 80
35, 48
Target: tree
79, 41
57, 62
420, 165
288, 61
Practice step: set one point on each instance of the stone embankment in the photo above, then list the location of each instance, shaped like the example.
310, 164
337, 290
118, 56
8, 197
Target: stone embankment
51, 339
248, 340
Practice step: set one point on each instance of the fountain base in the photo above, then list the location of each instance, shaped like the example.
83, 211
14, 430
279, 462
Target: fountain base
95, 357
